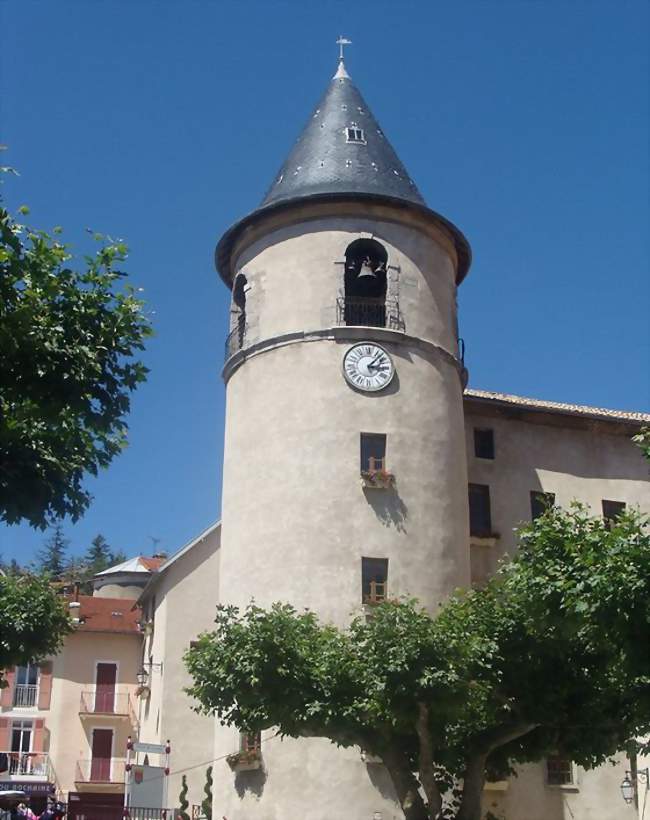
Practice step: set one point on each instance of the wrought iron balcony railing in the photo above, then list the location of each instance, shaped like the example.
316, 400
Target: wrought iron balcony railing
25, 764
107, 703
235, 340
25, 695
369, 313
100, 770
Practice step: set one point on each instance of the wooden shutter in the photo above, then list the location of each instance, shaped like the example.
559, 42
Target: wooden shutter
38, 741
45, 685
7, 694
5, 734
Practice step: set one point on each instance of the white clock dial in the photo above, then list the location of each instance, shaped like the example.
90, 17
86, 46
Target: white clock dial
368, 366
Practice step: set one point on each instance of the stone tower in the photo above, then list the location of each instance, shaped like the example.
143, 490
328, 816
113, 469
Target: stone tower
344, 467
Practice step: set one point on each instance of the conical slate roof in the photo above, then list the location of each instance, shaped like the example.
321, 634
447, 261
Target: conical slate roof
342, 149
342, 154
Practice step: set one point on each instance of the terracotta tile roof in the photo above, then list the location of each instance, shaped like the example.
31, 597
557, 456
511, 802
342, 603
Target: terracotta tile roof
558, 407
105, 614
152, 564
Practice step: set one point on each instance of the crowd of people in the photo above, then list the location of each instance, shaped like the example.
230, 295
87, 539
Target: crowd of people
53, 811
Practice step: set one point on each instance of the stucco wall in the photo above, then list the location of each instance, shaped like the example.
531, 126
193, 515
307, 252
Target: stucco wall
296, 520
186, 599
74, 673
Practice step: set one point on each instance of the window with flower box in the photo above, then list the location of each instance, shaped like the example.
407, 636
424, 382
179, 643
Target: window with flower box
374, 580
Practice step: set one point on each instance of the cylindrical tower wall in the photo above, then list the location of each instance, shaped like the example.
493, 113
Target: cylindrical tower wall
296, 521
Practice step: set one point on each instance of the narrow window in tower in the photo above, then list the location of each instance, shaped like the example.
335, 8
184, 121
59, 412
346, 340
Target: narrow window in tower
355, 134
612, 511
559, 771
250, 742
540, 502
374, 580
364, 303
480, 518
373, 452
483, 443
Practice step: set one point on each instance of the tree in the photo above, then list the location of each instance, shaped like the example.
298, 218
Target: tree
642, 440
502, 675
183, 801
33, 620
52, 558
206, 805
67, 344
98, 556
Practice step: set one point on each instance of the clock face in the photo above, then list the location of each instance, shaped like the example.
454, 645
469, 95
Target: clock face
368, 367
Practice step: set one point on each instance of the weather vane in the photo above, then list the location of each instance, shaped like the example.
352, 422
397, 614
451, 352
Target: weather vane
342, 41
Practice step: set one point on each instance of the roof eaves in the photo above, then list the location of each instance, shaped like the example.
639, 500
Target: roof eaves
155, 576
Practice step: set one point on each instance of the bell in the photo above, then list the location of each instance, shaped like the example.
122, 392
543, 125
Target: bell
366, 270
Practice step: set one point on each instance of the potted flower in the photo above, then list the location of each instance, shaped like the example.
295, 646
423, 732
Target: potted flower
379, 479
245, 761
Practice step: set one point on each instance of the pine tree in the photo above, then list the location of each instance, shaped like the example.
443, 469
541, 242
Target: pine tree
183, 802
206, 805
117, 557
14, 568
52, 557
98, 556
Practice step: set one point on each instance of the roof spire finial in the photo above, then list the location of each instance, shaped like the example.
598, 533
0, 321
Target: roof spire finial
341, 73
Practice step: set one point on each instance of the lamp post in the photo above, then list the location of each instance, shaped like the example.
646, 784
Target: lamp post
629, 784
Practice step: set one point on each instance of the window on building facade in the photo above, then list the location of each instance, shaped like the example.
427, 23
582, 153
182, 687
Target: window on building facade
612, 511
559, 771
483, 443
480, 516
540, 502
21, 735
250, 741
373, 452
374, 580
26, 685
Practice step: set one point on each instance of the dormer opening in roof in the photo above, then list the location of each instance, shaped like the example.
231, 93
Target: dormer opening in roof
355, 134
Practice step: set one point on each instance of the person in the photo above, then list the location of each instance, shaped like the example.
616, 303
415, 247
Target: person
53, 811
23, 810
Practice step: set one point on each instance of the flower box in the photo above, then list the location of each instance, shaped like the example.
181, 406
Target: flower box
377, 479
245, 761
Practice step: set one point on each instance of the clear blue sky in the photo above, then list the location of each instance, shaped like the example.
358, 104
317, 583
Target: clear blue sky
526, 123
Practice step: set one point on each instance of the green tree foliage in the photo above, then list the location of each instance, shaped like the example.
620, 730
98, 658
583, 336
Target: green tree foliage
642, 439
502, 675
183, 801
206, 805
33, 620
98, 556
52, 558
67, 344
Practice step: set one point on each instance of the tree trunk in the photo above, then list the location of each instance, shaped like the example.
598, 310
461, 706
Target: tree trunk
406, 786
426, 773
473, 782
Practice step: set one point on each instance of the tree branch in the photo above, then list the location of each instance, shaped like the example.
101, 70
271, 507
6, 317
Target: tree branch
425, 760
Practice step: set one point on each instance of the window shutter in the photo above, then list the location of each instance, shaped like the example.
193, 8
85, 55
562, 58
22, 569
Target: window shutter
7, 696
5, 729
45, 685
39, 735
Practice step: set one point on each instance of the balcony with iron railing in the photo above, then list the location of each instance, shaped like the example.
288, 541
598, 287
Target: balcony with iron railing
235, 340
25, 766
369, 312
107, 705
108, 771
25, 695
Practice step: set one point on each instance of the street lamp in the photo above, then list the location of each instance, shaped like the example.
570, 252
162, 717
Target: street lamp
628, 786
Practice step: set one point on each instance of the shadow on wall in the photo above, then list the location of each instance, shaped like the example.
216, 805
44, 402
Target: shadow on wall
388, 507
252, 782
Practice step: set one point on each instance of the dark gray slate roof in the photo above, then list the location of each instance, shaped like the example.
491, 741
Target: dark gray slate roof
324, 161
325, 165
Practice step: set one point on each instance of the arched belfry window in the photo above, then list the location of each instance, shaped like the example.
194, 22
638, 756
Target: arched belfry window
237, 333
366, 262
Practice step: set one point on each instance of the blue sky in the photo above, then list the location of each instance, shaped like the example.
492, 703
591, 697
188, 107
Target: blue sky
526, 123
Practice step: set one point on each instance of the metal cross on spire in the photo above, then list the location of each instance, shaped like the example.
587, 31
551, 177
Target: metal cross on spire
342, 41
